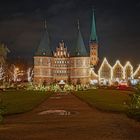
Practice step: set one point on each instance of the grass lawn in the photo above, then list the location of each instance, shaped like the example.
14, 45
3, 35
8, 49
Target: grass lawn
21, 101
107, 100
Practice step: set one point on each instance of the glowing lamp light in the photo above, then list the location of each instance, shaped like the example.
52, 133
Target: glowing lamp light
134, 82
17, 69
93, 82
61, 84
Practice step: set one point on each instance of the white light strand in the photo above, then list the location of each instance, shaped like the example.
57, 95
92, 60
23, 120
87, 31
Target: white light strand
120, 65
92, 72
136, 72
128, 64
100, 69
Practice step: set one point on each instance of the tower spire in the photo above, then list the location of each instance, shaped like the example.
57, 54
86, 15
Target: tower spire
93, 35
78, 25
93, 43
44, 48
80, 49
45, 24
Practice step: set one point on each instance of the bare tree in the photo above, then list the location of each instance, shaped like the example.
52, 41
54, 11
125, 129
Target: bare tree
2, 73
29, 74
3, 53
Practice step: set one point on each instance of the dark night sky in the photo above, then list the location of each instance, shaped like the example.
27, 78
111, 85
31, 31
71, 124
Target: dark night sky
118, 25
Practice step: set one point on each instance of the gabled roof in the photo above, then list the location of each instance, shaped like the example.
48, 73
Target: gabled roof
105, 61
80, 49
44, 48
137, 71
93, 35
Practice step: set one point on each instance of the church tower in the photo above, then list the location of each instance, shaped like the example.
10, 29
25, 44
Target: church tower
43, 60
93, 44
80, 62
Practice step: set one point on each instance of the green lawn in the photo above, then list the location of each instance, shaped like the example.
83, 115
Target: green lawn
21, 101
107, 100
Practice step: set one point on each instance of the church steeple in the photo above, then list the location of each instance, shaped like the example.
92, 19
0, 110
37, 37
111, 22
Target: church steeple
80, 49
93, 35
44, 48
45, 24
93, 44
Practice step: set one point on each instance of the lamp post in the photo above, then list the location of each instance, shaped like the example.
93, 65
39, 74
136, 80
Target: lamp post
61, 84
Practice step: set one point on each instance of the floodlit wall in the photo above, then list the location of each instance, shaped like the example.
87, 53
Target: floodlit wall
42, 70
78, 70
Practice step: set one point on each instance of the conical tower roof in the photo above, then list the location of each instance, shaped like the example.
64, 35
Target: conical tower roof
44, 48
80, 49
93, 35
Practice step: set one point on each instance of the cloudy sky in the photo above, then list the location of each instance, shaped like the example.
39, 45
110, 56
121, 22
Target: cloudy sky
118, 25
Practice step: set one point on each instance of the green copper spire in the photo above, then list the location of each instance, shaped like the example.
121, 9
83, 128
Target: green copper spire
80, 49
93, 35
44, 48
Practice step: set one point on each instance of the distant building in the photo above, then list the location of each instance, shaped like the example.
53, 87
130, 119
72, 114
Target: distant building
118, 73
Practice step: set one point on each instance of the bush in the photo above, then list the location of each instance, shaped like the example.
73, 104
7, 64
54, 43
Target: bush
2, 108
134, 106
56, 87
52, 87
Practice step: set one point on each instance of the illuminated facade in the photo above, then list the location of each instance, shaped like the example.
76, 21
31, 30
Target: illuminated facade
128, 71
105, 72
117, 73
54, 66
61, 63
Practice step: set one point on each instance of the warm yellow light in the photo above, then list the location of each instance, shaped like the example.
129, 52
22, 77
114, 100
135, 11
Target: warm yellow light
104, 62
128, 64
137, 70
17, 69
118, 63
92, 72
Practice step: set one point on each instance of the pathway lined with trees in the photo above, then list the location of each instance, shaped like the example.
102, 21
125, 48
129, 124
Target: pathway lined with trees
66, 117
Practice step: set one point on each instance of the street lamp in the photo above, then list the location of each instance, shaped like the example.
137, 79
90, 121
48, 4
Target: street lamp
61, 84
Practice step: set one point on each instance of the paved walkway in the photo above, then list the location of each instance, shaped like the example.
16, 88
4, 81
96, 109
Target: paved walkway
50, 122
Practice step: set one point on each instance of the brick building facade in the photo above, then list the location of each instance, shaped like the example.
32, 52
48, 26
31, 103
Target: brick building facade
53, 66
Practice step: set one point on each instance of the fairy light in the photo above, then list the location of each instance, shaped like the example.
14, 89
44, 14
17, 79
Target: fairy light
128, 64
105, 62
136, 72
120, 65
124, 72
92, 72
